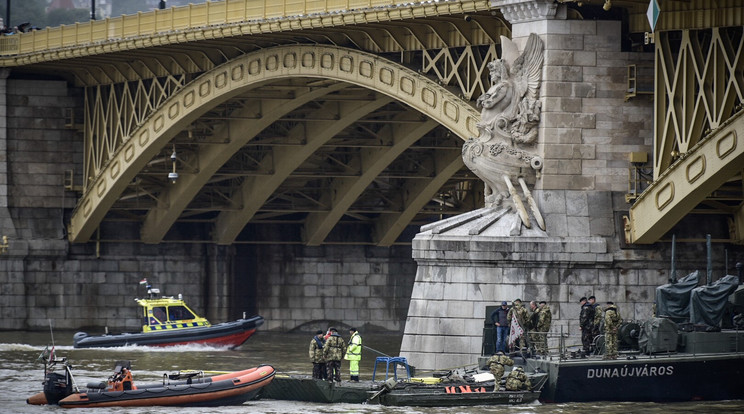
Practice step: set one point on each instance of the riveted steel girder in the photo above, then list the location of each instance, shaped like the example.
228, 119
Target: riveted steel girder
344, 191
699, 84
685, 184
212, 156
181, 26
417, 194
254, 192
697, 149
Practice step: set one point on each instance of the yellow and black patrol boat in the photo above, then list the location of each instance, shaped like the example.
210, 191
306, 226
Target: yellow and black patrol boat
168, 321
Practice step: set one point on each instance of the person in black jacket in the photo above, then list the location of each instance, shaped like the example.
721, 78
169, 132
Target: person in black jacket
500, 327
586, 325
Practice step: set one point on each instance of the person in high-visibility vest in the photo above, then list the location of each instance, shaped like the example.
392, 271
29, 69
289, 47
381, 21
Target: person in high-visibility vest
354, 354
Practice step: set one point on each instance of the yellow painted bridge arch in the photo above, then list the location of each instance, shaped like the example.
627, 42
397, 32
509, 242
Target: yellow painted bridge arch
331, 69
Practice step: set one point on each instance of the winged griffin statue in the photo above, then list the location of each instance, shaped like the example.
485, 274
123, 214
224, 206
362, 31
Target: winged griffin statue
503, 156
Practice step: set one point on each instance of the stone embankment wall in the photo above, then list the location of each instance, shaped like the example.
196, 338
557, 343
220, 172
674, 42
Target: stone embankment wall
343, 286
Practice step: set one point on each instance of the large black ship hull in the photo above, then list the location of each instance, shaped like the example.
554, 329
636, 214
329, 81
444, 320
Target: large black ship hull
668, 378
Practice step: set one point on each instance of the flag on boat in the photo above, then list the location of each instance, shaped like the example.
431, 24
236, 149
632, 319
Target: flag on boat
515, 330
46, 355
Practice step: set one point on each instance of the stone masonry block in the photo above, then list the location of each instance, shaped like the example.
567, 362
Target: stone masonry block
568, 167
558, 58
561, 135
583, 90
606, 40
455, 291
564, 42
585, 27
538, 293
544, 276
569, 120
356, 268
578, 226
564, 74
640, 294
577, 203
556, 224
581, 277
551, 201
371, 303
601, 226
570, 151
559, 89
456, 342
459, 309
566, 182
586, 58
508, 292
562, 104
486, 275
478, 292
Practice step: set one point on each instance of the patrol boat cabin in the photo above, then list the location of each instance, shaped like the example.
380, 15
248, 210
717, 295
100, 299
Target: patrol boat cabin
168, 313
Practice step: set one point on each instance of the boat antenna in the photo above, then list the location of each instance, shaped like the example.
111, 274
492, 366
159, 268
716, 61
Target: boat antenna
673, 272
709, 276
51, 332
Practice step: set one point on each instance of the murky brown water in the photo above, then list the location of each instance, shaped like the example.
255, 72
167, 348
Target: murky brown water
21, 376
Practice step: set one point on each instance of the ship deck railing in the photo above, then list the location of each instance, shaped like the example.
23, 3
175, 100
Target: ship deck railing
569, 346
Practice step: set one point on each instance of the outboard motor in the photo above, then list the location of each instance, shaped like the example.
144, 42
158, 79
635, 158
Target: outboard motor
57, 386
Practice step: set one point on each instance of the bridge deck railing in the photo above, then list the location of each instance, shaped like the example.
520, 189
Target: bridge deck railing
172, 19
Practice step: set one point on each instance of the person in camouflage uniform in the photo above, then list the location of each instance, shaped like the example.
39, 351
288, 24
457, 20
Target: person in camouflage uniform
598, 317
517, 380
333, 350
496, 365
544, 319
520, 313
612, 322
532, 324
586, 325
316, 356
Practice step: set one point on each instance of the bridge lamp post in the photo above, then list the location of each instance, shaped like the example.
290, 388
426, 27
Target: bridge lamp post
4, 245
173, 176
92, 9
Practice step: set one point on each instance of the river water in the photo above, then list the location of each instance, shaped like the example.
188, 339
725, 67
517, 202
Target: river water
21, 376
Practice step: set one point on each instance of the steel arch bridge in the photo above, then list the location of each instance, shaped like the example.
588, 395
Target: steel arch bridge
328, 78
341, 121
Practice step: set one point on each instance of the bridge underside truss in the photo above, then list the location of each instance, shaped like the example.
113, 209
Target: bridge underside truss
295, 144
699, 142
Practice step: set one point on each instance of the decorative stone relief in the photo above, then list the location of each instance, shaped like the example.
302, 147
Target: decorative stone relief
503, 156
520, 11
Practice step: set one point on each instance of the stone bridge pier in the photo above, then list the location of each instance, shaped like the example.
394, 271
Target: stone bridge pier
468, 263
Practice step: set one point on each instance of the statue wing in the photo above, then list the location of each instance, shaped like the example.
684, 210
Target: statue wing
527, 69
509, 51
